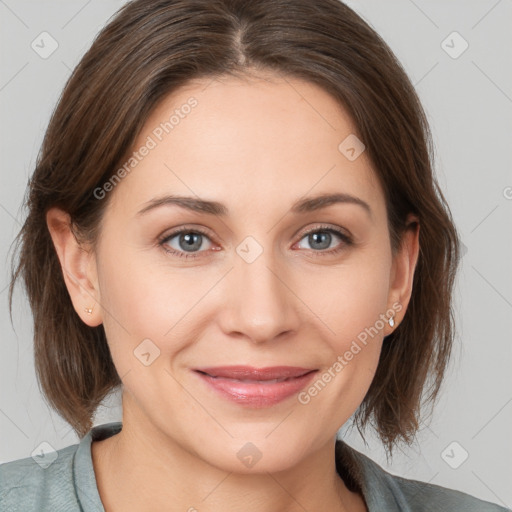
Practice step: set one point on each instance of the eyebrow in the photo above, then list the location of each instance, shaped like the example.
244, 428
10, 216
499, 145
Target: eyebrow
301, 206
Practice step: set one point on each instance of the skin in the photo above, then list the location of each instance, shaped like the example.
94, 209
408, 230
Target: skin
256, 145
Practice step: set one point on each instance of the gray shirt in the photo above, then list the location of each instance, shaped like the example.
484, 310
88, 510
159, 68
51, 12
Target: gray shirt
68, 484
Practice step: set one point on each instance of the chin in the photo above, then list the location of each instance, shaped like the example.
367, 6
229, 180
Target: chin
256, 454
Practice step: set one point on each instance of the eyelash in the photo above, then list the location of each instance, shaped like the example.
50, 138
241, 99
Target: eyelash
347, 241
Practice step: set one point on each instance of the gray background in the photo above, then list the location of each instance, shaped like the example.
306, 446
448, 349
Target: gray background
468, 100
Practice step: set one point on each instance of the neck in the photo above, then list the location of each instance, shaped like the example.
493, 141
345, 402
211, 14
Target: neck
141, 468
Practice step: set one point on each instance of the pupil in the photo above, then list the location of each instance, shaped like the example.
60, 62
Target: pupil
316, 236
191, 243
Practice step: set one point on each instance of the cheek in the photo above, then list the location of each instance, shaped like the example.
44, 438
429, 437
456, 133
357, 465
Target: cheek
349, 300
359, 308
157, 302
133, 307
350, 306
145, 302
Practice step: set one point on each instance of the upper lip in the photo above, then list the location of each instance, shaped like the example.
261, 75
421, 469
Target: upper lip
252, 373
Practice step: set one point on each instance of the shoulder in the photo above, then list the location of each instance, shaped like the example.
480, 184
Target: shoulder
43, 482
385, 491
415, 495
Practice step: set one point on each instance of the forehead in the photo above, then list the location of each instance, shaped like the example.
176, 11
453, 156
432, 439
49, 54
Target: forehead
247, 140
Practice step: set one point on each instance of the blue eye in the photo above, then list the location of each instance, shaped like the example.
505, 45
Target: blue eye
187, 238
324, 237
320, 236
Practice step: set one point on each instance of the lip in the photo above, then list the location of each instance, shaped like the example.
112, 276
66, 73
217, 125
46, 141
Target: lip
252, 373
256, 387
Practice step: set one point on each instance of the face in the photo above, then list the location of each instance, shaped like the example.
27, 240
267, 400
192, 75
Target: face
258, 284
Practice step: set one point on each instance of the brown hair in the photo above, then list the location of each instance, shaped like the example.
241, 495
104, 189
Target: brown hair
151, 48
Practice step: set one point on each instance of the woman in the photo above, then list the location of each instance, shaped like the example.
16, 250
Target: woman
199, 153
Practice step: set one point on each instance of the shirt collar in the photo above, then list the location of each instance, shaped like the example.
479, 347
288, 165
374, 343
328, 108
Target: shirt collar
359, 472
83, 469
362, 474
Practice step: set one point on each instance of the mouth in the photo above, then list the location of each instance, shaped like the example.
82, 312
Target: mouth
256, 387
252, 374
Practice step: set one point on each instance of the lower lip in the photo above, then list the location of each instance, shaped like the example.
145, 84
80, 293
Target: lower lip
257, 394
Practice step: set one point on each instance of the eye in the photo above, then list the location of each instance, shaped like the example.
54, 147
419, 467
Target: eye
189, 242
187, 239
321, 237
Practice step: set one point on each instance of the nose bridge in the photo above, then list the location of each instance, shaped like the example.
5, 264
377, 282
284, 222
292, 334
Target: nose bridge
262, 305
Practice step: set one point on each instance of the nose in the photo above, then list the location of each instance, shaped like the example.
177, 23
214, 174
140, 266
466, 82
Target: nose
260, 303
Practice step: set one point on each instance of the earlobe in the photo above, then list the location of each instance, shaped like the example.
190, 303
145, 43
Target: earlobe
78, 267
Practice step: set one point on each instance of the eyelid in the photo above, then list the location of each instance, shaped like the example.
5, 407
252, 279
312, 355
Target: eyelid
323, 226
184, 229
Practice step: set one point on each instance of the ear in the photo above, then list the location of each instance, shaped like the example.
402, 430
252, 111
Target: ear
402, 273
78, 267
